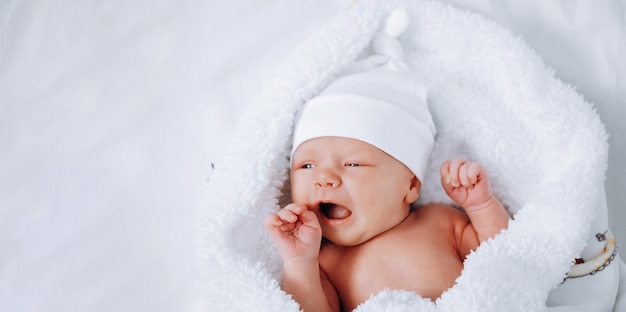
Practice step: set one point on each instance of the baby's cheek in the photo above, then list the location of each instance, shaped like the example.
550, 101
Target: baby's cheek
299, 193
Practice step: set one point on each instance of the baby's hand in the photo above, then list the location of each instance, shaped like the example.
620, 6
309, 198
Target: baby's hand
296, 233
467, 183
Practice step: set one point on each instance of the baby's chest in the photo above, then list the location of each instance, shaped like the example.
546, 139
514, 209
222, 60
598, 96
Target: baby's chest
427, 267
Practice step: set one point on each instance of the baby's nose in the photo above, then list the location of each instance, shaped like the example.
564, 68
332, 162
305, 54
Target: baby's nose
327, 178
326, 184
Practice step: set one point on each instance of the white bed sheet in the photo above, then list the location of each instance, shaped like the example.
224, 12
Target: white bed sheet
112, 113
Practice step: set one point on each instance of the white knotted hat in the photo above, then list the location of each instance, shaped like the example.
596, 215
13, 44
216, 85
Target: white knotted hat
376, 100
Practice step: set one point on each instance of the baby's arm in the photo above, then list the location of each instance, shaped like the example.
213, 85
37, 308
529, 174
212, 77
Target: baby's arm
297, 235
467, 183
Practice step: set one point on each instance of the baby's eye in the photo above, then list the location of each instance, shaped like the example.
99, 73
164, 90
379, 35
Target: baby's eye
353, 165
307, 166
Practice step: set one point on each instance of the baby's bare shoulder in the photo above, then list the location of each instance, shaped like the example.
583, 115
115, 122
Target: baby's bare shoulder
441, 213
438, 209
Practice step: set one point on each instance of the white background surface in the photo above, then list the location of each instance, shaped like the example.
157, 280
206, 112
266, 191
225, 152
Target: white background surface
111, 113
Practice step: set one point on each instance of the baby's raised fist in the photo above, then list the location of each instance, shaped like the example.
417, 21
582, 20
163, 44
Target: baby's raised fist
295, 233
466, 182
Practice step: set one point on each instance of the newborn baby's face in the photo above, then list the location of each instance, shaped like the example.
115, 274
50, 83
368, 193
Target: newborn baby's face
356, 190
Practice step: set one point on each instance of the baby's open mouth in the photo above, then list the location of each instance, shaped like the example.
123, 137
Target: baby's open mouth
334, 211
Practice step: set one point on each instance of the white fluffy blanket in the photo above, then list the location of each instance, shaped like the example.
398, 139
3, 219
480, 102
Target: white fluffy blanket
494, 101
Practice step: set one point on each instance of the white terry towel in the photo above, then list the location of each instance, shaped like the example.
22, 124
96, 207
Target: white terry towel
543, 145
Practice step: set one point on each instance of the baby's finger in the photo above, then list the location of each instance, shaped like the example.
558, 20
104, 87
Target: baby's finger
455, 165
474, 172
463, 175
444, 170
309, 218
295, 208
287, 215
272, 221
288, 227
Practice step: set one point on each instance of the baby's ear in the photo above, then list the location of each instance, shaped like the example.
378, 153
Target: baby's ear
413, 193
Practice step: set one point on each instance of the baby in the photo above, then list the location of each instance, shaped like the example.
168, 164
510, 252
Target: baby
359, 156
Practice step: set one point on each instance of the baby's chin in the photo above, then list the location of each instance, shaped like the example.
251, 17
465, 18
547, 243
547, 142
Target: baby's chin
343, 239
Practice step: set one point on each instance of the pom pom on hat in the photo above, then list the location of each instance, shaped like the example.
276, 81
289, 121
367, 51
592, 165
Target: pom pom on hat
376, 100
